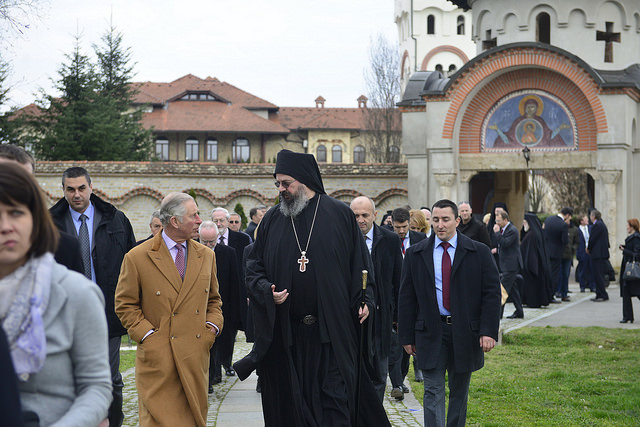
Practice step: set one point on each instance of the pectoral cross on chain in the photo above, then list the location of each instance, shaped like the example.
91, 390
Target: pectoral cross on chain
303, 262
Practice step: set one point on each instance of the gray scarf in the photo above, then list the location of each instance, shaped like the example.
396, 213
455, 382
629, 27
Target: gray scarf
25, 296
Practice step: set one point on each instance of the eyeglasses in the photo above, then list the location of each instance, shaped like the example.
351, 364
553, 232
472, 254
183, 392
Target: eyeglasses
285, 184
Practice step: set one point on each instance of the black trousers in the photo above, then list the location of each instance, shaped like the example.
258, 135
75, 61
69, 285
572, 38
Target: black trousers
508, 279
116, 416
600, 266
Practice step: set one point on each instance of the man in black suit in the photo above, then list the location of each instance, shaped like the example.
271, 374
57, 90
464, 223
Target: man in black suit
448, 312
556, 235
384, 247
229, 289
401, 218
238, 241
471, 227
598, 250
399, 360
509, 260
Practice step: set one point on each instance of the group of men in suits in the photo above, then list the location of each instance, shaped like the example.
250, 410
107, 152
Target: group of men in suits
443, 310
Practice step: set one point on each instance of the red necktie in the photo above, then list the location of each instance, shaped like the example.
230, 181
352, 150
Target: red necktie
402, 242
446, 275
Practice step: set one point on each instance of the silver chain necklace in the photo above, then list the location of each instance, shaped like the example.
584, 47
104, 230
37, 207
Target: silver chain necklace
303, 260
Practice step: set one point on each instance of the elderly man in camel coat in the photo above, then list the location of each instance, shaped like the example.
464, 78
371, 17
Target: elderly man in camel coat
167, 298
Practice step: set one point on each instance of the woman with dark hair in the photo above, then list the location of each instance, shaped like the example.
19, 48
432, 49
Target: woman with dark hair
537, 289
630, 251
53, 318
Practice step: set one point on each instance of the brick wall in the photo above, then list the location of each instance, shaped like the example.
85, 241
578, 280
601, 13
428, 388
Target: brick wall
138, 187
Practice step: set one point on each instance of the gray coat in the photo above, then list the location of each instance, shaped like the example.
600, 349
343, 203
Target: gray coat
74, 386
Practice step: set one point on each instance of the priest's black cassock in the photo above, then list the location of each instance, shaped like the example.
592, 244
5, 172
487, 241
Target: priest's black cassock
298, 364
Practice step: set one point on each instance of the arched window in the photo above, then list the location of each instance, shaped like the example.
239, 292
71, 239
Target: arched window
162, 148
321, 153
240, 151
431, 24
212, 150
191, 149
336, 154
460, 25
543, 28
394, 154
359, 154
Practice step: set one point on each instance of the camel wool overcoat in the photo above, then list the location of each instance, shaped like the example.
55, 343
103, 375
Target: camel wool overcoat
172, 363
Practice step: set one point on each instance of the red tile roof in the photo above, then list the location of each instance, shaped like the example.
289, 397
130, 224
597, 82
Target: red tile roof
212, 116
158, 93
326, 118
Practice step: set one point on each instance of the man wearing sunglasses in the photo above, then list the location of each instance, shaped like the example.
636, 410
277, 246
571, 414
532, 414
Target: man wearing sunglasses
304, 279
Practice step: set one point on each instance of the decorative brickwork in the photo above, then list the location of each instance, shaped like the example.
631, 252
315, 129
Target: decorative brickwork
546, 70
445, 48
138, 187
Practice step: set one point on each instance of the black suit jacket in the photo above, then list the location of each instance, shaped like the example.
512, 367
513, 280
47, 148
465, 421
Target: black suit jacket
475, 303
68, 252
386, 257
415, 237
599, 241
229, 285
509, 255
239, 241
556, 235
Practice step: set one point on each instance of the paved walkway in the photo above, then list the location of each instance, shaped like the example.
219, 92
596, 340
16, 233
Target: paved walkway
235, 403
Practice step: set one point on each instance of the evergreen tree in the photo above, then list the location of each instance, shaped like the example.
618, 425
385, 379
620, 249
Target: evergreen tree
93, 119
68, 123
129, 140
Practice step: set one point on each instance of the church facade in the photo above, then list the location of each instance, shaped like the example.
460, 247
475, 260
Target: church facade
553, 85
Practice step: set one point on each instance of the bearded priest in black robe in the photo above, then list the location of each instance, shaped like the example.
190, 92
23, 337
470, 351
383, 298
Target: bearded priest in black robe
304, 280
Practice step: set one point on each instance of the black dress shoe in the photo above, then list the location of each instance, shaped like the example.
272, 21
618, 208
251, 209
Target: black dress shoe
404, 388
230, 372
599, 299
566, 299
626, 321
210, 389
516, 316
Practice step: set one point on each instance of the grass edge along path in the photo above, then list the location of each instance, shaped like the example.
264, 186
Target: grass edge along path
557, 376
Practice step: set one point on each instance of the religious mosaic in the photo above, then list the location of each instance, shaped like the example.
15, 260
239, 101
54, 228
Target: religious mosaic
532, 119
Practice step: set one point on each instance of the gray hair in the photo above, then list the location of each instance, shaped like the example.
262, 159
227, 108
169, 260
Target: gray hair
219, 209
208, 225
155, 214
173, 205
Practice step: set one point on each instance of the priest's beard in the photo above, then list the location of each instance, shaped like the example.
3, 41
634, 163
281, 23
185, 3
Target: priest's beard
292, 204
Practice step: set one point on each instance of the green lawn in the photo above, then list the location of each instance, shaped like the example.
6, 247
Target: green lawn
557, 377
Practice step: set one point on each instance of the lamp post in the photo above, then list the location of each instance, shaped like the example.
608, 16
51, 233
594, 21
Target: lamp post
527, 155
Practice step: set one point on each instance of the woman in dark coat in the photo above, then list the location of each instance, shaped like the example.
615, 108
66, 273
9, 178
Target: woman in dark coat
629, 288
537, 287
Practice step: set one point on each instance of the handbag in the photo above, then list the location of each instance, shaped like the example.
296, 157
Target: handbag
632, 270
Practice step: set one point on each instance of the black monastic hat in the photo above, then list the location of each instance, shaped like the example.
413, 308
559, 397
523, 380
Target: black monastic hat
302, 167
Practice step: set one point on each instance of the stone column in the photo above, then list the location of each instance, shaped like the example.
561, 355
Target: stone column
445, 182
607, 203
463, 188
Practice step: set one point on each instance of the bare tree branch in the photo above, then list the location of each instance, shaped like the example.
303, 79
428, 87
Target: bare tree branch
382, 118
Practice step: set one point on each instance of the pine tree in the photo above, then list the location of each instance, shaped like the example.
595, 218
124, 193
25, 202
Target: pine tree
93, 119
67, 123
129, 140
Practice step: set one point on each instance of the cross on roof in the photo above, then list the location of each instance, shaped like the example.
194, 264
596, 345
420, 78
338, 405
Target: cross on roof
608, 36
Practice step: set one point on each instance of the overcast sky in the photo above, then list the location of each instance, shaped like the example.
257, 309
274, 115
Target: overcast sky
285, 51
